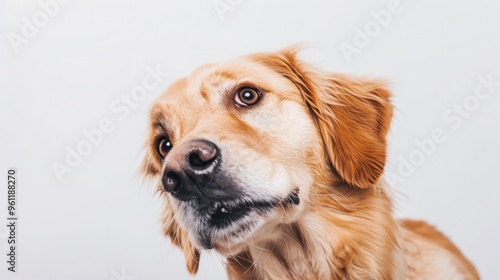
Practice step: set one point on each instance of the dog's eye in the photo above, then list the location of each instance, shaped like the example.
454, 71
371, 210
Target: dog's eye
247, 96
164, 146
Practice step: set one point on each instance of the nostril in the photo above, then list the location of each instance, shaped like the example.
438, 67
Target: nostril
202, 157
170, 181
196, 161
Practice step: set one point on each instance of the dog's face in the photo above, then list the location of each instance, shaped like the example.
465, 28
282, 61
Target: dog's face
233, 141
239, 148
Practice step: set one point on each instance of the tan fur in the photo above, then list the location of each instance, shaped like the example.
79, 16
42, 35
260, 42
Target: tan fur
437, 239
179, 238
328, 132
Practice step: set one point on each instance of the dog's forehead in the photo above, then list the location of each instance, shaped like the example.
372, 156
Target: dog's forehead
209, 83
211, 88
214, 79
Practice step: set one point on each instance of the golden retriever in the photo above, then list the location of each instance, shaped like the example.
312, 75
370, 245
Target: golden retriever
277, 166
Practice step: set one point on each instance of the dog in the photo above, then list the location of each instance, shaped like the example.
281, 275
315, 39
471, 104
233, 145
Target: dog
276, 165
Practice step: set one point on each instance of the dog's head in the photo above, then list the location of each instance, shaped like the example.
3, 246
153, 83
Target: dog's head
239, 147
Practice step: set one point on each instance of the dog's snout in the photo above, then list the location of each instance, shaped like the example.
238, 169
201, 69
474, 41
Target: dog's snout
190, 167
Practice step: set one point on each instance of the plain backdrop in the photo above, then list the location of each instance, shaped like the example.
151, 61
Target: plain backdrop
102, 222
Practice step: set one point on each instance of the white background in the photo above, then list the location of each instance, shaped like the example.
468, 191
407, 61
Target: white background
101, 221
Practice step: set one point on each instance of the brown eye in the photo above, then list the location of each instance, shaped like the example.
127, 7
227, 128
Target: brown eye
164, 146
247, 96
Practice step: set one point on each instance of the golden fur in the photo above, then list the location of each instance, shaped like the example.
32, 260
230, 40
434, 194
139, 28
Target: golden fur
328, 131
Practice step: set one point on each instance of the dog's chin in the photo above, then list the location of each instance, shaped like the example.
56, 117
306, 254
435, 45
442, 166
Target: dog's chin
225, 225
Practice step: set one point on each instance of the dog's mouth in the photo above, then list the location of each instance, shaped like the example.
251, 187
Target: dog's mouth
234, 218
225, 213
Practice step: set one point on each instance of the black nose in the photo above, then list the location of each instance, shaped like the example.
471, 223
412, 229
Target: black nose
189, 168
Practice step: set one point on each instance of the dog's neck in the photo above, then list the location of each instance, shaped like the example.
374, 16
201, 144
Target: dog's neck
352, 236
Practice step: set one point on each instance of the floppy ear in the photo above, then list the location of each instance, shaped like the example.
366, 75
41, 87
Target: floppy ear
352, 115
150, 169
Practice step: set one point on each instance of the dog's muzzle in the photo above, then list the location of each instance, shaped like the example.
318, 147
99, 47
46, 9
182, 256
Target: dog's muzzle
192, 174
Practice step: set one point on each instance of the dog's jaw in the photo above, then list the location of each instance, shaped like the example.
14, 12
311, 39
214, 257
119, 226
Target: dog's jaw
225, 225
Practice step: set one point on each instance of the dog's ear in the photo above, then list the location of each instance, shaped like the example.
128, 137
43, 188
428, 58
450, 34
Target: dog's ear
352, 114
151, 169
